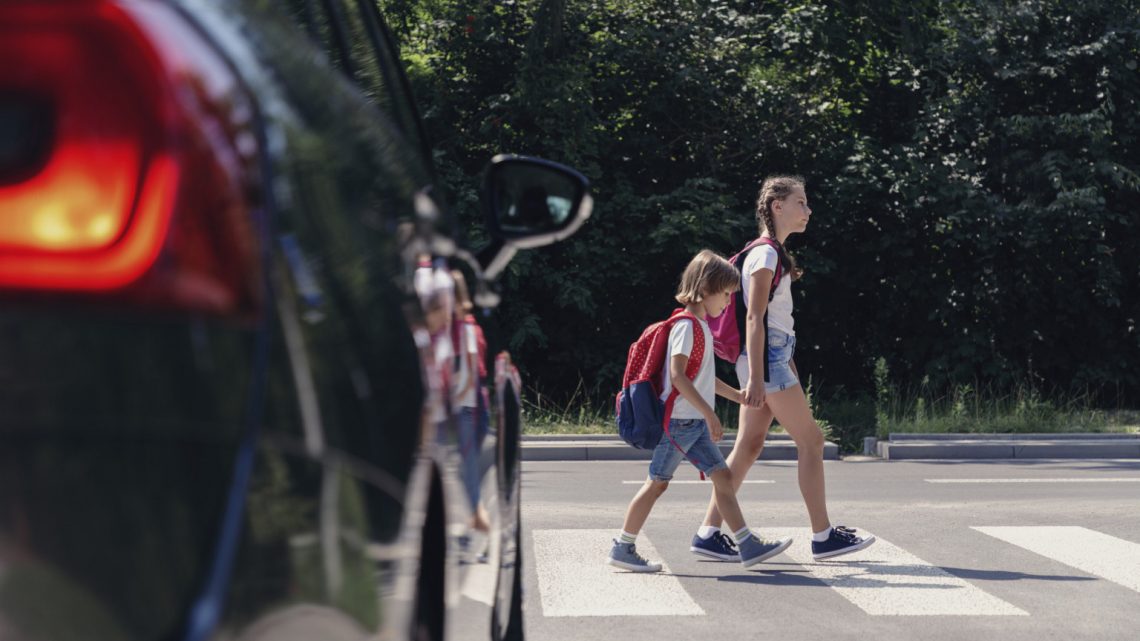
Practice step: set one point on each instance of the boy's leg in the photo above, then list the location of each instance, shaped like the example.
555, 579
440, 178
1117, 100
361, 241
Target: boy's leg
642, 504
724, 492
624, 554
754, 425
753, 549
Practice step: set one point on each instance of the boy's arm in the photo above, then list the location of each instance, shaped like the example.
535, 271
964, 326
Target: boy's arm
688, 391
724, 390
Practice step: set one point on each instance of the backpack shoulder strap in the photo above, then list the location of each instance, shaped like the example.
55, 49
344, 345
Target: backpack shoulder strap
697, 355
779, 274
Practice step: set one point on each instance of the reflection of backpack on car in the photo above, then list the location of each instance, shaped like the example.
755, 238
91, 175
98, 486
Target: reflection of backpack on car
642, 417
728, 328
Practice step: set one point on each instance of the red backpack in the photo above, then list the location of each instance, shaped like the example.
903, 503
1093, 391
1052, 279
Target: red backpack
642, 417
728, 328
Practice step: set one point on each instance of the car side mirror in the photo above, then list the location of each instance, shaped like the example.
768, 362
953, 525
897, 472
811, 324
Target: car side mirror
530, 202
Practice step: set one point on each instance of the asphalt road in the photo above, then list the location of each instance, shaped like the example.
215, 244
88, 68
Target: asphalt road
1011, 550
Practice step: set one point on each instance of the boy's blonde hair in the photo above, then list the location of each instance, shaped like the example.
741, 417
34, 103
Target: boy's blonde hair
707, 273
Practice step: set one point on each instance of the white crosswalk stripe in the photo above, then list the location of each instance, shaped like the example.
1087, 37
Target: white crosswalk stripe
885, 580
1117, 479
881, 580
574, 580
1087, 550
709, 484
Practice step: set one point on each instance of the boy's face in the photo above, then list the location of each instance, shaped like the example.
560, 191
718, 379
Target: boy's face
715, 304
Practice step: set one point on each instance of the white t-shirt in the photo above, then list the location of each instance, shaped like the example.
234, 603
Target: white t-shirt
681, 342
780, 308
469, 348
442, 353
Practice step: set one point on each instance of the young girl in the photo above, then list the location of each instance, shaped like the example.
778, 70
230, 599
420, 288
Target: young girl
781, 210
706, 286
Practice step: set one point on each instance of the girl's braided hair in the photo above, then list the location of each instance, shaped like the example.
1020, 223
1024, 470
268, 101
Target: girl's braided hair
777, 188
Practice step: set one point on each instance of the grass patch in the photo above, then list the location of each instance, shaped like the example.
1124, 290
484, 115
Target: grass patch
846, 419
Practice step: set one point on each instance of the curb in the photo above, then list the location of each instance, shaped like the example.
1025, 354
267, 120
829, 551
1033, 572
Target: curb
606, 447
900, 447
1008, 446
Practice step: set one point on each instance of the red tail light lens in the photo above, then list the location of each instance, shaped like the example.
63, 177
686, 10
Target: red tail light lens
129, 168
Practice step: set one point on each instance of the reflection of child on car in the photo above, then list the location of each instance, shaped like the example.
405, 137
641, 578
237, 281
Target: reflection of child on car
466, 393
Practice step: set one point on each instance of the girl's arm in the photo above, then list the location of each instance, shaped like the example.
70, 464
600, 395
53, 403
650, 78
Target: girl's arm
470, 356
755, 339
688, 391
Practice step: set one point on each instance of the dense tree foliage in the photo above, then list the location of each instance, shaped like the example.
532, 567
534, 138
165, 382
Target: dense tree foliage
972, 166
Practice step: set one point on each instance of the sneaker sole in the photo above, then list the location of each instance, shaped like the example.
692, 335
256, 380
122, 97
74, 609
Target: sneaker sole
767, 555
854, 548
631, 567
713, 555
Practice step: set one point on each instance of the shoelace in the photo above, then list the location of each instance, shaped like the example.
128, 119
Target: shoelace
726, 542
846, 534
640, 559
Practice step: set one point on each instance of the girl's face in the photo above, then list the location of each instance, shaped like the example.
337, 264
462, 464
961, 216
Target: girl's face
715, 303
792, 212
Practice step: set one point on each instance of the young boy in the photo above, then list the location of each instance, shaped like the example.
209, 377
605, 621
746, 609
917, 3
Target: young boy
706, 285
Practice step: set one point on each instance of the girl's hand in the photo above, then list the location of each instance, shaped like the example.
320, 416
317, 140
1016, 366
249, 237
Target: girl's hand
716, 430
754, 396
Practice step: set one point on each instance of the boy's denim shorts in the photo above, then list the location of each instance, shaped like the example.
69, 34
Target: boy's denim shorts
692, 435
781, 349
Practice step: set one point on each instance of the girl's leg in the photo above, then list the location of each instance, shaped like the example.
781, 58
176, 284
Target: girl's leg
754, 424
641, 505
791, 409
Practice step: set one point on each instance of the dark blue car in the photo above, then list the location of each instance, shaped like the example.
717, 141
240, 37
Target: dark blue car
224, 413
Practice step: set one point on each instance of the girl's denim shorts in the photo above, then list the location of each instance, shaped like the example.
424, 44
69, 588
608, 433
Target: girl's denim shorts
781, 348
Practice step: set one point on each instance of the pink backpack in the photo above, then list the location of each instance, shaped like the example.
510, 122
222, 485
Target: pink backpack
728, 328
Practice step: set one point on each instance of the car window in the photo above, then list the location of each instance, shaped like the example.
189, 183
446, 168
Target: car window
353, 35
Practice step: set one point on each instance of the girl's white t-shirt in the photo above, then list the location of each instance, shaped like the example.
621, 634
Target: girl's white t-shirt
780, 308
681, 342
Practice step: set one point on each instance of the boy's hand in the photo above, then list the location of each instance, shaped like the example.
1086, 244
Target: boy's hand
716, 430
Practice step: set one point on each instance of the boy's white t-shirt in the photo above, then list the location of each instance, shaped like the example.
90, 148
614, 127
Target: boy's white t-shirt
443, 353
681, 342
764, 256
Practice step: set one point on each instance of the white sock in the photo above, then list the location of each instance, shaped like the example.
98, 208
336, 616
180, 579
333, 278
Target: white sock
820, 537
706, 531
742, 534
626, 537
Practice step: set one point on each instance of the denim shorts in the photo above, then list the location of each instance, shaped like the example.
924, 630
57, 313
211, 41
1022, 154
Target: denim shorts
781, 348
691, 435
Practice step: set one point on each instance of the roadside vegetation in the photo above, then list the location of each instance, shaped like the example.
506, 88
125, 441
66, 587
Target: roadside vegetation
847, 419
973, 167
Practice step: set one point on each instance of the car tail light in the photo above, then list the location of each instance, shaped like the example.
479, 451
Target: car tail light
128, 162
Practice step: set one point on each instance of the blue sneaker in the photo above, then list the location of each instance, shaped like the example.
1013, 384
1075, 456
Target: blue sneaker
718, 546
625, 556
842, 540
755, 549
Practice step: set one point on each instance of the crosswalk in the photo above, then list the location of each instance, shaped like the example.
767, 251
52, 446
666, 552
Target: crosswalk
882, 580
